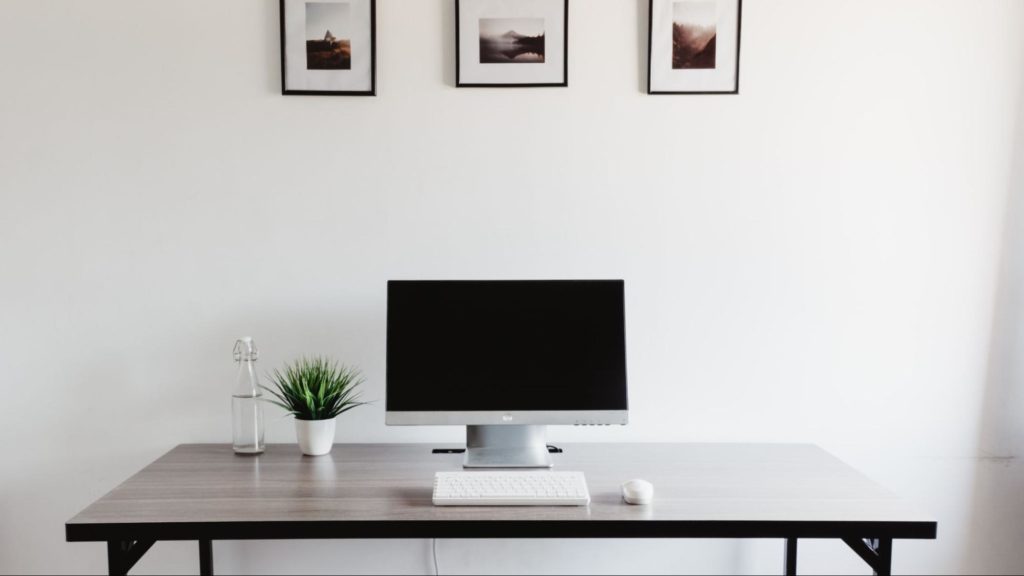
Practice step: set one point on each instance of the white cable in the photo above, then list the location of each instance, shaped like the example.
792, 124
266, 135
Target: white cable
433, 546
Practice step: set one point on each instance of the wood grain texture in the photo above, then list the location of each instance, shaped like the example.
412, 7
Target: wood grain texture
382, 491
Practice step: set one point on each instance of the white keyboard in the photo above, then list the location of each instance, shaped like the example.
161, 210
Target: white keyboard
510, 489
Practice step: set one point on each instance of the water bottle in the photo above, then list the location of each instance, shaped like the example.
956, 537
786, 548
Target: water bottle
247, 410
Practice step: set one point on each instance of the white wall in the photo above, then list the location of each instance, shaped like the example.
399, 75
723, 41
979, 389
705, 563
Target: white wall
820, 259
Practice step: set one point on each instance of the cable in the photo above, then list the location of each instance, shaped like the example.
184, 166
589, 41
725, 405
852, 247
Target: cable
433, 546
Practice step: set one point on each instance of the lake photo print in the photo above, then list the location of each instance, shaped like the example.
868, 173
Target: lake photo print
511, 40
506, 43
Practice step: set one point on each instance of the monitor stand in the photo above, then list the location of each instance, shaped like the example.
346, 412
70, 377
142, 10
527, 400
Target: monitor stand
506, 447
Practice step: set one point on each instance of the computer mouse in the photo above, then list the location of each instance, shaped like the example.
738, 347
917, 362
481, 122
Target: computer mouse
638, 492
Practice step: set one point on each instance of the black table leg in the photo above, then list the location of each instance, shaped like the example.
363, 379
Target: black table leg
122, 555
115, 564
790, 556
883, 547
206, 557
877, 552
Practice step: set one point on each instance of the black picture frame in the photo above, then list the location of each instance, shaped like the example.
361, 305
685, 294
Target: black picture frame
650, 52
285, 91
458, 58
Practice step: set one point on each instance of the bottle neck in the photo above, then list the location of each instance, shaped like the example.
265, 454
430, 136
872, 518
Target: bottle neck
247, 383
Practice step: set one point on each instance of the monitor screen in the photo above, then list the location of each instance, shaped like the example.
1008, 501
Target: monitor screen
506, 346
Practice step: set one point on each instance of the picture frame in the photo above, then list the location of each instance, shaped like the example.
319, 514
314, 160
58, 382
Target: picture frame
694, 46
511, 43
328, 47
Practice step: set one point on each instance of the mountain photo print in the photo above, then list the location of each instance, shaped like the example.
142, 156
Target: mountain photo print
694, 46
694, 31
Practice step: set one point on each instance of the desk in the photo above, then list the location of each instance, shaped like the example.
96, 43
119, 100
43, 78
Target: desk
206, 493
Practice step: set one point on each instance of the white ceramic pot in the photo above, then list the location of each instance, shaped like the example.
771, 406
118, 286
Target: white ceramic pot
316, 437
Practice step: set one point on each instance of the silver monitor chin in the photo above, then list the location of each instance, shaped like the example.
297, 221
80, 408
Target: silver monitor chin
508, 439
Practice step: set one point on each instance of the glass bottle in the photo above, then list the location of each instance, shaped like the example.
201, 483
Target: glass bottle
247, 408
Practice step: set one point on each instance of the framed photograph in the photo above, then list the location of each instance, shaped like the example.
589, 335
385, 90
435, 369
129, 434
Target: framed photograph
329, 47
509, 43
694, 47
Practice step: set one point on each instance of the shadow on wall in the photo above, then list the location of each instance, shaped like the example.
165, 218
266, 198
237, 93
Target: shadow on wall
272, 50
998, 500
643, 35
448, 42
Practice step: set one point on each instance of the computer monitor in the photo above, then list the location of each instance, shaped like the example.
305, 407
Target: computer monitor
506, 358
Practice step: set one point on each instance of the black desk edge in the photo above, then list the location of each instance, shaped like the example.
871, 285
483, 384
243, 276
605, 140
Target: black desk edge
468, 529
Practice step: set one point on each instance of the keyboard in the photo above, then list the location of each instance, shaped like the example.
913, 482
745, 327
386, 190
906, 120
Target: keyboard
506, 488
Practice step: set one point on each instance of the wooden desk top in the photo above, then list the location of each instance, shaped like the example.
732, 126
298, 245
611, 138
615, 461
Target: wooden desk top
384, 491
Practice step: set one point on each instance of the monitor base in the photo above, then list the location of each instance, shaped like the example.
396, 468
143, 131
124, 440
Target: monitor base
507, 447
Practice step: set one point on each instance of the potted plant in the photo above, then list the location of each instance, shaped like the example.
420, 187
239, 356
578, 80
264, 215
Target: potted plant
316, 391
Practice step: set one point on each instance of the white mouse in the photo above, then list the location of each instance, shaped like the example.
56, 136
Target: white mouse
638, 492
